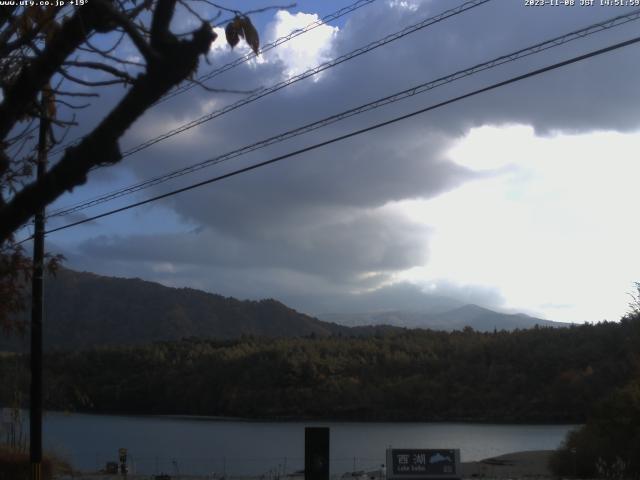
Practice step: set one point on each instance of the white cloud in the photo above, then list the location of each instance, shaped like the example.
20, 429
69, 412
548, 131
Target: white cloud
163, 267
302, 52
553, 234
403, 4
547, 224
220, 46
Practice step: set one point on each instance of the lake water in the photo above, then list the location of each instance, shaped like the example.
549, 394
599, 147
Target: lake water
204, 446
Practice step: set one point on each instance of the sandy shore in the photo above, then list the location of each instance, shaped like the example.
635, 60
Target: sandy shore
530, 464
512, 465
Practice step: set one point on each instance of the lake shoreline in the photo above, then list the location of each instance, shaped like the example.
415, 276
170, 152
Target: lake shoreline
523, 464
237, 447
311, 419
528, 463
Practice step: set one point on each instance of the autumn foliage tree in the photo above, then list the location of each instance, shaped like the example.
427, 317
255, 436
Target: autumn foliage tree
55, 59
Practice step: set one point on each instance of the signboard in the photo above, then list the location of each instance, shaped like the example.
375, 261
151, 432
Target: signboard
423, 463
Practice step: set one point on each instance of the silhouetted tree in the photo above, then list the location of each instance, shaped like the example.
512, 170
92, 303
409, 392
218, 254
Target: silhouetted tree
55, 58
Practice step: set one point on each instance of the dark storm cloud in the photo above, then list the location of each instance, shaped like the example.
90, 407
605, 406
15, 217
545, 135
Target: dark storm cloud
316, 218
586, 96
321, 184
339, 251
69, 218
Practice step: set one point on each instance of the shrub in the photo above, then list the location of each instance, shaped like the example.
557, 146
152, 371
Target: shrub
608, 444
15, 465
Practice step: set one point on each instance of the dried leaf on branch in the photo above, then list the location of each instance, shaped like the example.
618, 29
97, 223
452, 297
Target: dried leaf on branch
241, 27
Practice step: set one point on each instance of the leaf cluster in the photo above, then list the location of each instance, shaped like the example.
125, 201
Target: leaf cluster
241, 27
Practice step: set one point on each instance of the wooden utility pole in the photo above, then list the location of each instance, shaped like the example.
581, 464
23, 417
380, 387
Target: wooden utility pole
37, 290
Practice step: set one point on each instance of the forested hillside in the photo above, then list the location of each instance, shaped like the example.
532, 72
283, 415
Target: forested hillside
83, 310
538, 375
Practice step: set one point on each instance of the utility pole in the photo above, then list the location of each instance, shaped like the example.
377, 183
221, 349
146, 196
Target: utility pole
35, 411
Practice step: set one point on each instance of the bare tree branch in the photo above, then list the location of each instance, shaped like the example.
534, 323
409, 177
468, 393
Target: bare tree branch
223, 90
74, 94
73, 106
114, 58
175, 61
108, 51
160, 34
45, 56
102, 66
269, 8
251, 12
20, 95
134, 33
90, 83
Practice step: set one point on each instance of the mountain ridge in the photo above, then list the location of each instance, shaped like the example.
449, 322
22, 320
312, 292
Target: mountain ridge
84, 310
477, 317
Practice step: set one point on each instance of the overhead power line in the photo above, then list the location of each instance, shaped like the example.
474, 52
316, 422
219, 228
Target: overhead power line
270, 46
473, 93
245, 58
418, 89
308, 73
468, 5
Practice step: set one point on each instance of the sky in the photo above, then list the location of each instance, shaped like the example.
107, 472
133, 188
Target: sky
520, 199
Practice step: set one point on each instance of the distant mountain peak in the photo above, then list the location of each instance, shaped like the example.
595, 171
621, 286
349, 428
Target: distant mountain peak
83, 309
472, 307
468, 315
